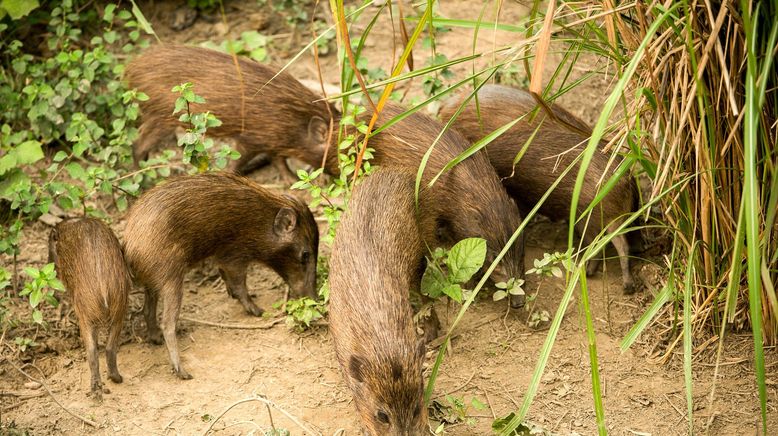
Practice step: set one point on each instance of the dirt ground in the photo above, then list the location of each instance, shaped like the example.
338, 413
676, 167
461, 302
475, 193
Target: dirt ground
492, 359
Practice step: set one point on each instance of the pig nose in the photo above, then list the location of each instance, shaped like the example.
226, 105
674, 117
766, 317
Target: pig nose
517, 301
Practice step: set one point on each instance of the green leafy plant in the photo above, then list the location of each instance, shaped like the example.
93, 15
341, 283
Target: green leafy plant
302, 312
294, 11
17, 8
549, 266
333, 195
23, 343
447, 271
500, 426
64, 97
513, 286
202, 5
196, 146
455, 410
41, 288
433, 84
251, 44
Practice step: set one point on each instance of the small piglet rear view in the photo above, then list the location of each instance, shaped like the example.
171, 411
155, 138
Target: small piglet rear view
552, 149
224, 217
90, 263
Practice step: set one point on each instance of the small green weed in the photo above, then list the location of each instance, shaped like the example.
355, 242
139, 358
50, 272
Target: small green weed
196, 145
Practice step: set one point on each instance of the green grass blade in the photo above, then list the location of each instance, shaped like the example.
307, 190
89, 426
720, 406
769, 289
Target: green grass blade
659, 302
733, 284
420, 106
309, 45
409, 75
435, 369
475, 148
751, 194
621, 172
602, 121
599, 411
545, 352
470, 24
687, 335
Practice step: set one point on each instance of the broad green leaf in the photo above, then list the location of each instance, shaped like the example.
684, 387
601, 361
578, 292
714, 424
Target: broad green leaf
48, 269
36, 297
108, 14
7, 162
466, 257
253, 39
76, 171
60, 156
454, 291
18, 8
28, 152
144, 24
14, 181
433, 282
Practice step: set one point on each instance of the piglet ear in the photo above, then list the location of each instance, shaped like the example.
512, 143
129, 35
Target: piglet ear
318, 130
285, 222
443, 231
53, 238
356, 368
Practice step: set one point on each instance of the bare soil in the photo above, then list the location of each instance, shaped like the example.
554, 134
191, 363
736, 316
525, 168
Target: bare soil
492, 358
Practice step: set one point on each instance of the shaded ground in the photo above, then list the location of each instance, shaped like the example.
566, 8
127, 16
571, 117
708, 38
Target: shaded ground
492, 359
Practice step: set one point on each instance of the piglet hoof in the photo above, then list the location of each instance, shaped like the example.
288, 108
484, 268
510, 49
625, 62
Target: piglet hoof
431, 327
182, 374
116, 377
253, 309
630, 288
155, 337
517, 301
591, 268
430, 334
97, 392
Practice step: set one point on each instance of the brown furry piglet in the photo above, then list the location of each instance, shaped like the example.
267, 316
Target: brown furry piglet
280, 118
377, 259
468, 199
224, 217
552, 147
90, 263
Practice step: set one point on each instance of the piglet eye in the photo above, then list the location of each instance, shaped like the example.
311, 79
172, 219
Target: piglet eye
305, 257
382, 417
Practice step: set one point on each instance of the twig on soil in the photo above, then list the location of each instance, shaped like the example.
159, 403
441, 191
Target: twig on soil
462, 386
265, 326
488, 401
676, 409
270, 415
437, 342
268, 403
257, 426
43, 385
